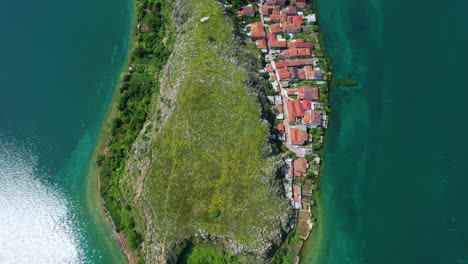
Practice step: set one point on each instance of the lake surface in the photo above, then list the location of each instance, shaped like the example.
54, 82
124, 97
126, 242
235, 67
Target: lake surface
60, 64
394, 186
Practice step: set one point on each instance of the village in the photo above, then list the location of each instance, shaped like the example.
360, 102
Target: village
286, 33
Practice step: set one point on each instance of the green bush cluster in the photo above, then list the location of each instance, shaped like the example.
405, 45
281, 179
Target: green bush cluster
135, 93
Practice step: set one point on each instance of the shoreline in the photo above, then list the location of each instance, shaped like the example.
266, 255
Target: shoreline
313, 244
94, 201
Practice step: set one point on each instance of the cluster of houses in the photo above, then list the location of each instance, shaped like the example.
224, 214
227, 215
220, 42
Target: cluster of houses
294, 74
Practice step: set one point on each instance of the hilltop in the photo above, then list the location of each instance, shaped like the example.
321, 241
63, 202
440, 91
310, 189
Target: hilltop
201, 168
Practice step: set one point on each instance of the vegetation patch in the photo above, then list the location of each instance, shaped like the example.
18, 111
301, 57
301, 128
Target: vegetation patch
210, 171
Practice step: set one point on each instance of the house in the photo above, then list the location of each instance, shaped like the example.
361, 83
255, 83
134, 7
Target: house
278, 18
300, 44
277, 45
299, 3
297, 196
247, 11
295, 110
298, 135
308, 93
312, 118
310, 73
291, 28
301, 73
257, 31
280, 127
275, 2
300, 167
289, 10
283, 74
306, 104
293, 73
296, 53
281, 64
294, 20
303, 62
275, 28
271, 37
262, 45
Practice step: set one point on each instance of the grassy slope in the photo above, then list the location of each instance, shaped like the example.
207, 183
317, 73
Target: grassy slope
209, 154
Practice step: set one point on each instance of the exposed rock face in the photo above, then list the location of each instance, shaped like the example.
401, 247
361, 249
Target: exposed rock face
159, 249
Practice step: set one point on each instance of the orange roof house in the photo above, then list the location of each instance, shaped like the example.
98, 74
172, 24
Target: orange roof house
283, 73
257, 31
278, 18
308, 93
300, 44
306, 104
296, 52
298, 135
281, 64
275, 28
280, 127
280, 44
312, 118
295, 110
303, 62
295, 20
261, 44
289, 10
299, 3
291, 28
300, 167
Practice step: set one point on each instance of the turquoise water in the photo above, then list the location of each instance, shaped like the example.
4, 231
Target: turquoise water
394, 186
60, 64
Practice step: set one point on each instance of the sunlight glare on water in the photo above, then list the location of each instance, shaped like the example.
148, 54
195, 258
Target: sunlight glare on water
35, 220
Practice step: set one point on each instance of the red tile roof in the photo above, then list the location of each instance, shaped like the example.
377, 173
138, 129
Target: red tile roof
261, 44
300, 165
279, 18
281, 64
275, 28
308, 93
306, 104
301, 73
278, 44
297, 136
312, 117
296, 52
295, 20
271, 37
300, 44
289, 10
283, 73
295, 109
310, 73
291, 27
302, 62
258, 32
298, 109
281, 127
293, 72
269, 69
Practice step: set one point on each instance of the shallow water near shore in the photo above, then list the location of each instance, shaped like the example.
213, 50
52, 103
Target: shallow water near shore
61, 62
